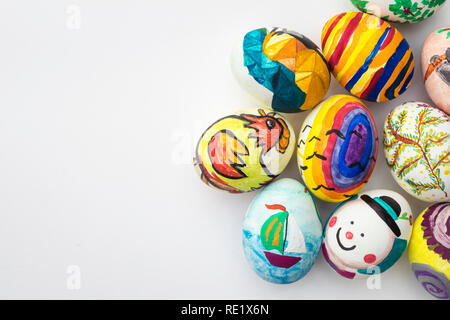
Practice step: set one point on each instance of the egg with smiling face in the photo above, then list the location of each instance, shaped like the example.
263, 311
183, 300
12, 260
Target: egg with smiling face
367, 234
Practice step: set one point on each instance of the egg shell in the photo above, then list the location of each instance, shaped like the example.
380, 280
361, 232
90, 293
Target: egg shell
337, 148
417, 149
436, 67
282, 232
282, 69
411, 11
429, 250
367, 234
244, 151
368, 56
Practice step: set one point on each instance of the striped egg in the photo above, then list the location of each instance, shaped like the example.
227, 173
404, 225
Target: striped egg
337, 148
368, 56
282, 69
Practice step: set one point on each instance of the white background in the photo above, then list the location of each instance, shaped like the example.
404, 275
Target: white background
101, 103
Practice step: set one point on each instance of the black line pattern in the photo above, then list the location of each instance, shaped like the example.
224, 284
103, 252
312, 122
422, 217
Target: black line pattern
322, 186
321, 157
356, 133
356, 164
336, 132
307, 126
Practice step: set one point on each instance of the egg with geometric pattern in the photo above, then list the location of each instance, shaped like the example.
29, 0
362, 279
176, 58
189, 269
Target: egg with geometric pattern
282, 69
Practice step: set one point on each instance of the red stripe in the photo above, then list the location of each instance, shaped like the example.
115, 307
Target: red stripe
336, 20
328, 151
343, 41
275, 207
372, 84
389, 38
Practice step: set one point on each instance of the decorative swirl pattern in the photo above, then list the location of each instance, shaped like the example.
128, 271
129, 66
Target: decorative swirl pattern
436, 228
435, 283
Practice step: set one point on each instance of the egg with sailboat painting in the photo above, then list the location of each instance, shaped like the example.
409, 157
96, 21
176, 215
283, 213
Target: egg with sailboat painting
282, 232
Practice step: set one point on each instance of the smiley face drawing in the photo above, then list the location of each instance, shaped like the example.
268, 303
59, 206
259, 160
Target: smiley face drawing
367, 234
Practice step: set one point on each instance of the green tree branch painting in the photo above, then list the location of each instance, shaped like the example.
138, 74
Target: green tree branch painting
414, 148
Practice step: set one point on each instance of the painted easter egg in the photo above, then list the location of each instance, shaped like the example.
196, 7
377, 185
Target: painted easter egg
401, 11
436, 67
367, 234
417, 149
429, 250
282, 232
283, 69
368, 56
337, 148
244, 151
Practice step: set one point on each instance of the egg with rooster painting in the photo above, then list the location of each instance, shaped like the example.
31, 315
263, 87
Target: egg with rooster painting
244, 151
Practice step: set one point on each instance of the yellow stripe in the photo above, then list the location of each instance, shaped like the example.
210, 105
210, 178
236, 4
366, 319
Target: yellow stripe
322, 122
358, 55
402, 63
276, 237
270, 228
336, 33
411, 66
353, 48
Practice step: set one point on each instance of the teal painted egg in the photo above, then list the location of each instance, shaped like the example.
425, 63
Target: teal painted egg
282, 232
282, 69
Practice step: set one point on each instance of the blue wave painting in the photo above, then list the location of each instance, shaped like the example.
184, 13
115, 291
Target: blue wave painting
254, 252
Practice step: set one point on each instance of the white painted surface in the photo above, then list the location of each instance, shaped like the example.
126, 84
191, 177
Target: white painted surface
101, 104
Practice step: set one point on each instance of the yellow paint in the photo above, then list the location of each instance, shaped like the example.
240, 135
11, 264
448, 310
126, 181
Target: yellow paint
420, 253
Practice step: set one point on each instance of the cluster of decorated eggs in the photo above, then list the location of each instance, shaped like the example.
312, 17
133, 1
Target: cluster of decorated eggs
337, 147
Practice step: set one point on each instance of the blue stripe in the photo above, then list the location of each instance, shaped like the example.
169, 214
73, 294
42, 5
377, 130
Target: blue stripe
366, 63
388, 69
390, 92
387, 208
406, 83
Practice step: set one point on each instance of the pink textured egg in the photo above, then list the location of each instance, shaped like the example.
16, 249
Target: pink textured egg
436, 67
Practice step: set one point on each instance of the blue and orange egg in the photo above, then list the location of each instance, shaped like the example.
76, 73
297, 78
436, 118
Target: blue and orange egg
369, 57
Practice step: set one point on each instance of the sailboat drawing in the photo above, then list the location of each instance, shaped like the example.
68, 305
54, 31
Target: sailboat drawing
280, 232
